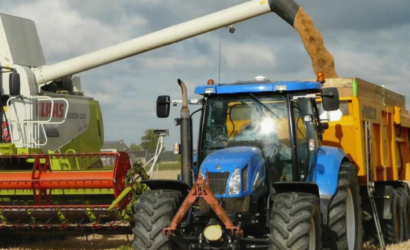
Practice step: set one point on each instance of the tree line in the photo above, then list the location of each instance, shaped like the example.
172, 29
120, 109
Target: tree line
148, 142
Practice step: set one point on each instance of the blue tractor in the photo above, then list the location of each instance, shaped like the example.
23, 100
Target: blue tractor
262, 180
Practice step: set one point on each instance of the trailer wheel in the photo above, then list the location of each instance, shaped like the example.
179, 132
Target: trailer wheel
405, 204
154, 212
295, 222
393, 228
344, 230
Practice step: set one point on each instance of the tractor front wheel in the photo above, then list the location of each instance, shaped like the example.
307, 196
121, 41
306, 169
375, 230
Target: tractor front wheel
295, 222
154, 212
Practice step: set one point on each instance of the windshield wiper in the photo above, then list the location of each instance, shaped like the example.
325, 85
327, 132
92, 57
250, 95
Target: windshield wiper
263, 105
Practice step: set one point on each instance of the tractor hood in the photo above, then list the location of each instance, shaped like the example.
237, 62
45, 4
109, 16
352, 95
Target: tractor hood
234, 172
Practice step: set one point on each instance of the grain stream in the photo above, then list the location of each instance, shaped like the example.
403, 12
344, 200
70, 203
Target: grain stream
322, 60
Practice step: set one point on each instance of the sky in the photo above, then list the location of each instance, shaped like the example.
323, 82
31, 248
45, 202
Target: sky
369, 39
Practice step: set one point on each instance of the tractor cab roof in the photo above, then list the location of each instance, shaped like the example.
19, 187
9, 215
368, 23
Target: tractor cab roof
259, 87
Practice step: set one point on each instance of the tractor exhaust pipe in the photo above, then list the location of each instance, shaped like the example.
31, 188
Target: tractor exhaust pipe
186, 137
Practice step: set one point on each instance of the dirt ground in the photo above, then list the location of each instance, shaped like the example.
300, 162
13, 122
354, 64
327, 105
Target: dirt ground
123, 242
166, 174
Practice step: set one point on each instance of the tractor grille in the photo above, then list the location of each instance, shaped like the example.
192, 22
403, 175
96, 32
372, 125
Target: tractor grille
217, 182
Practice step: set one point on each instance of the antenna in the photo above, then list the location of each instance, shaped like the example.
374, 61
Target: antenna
219, 76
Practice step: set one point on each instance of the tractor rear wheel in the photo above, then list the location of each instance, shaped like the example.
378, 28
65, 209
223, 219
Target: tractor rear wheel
154, 212
393, 228
405, 204
295, 222
344, 230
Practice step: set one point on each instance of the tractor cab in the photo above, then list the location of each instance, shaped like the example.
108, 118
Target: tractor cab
255, 137
258, 132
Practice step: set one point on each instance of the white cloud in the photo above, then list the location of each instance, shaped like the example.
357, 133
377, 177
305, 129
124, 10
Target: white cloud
64, 32
174, 61
127, 90
243, 56
381, 56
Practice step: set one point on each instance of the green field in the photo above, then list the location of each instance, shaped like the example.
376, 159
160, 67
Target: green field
169, 166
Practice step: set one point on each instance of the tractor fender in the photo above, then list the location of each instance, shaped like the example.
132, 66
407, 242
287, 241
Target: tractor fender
167, 184
326, 175
326, 171
305, 187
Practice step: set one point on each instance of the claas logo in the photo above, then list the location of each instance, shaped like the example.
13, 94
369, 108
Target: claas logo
46, 110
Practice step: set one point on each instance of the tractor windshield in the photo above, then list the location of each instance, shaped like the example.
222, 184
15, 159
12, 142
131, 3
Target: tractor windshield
231, 120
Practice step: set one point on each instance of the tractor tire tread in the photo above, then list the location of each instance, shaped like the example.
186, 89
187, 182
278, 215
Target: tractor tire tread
290, 219
154, 212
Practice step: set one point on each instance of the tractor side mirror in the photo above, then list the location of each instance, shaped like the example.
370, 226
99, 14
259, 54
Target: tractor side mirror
14, 83
330, 99
163, 105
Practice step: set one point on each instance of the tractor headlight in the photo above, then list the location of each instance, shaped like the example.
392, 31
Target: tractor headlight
235, 182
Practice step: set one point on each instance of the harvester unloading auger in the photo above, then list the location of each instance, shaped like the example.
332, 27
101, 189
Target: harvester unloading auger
44, 187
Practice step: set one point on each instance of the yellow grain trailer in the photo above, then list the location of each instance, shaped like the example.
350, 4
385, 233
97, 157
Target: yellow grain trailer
374, 133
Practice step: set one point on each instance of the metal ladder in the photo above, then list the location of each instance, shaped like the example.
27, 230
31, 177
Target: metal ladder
29, 128
370, 184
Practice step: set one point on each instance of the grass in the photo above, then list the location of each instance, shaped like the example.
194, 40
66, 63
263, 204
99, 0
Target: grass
169, 166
